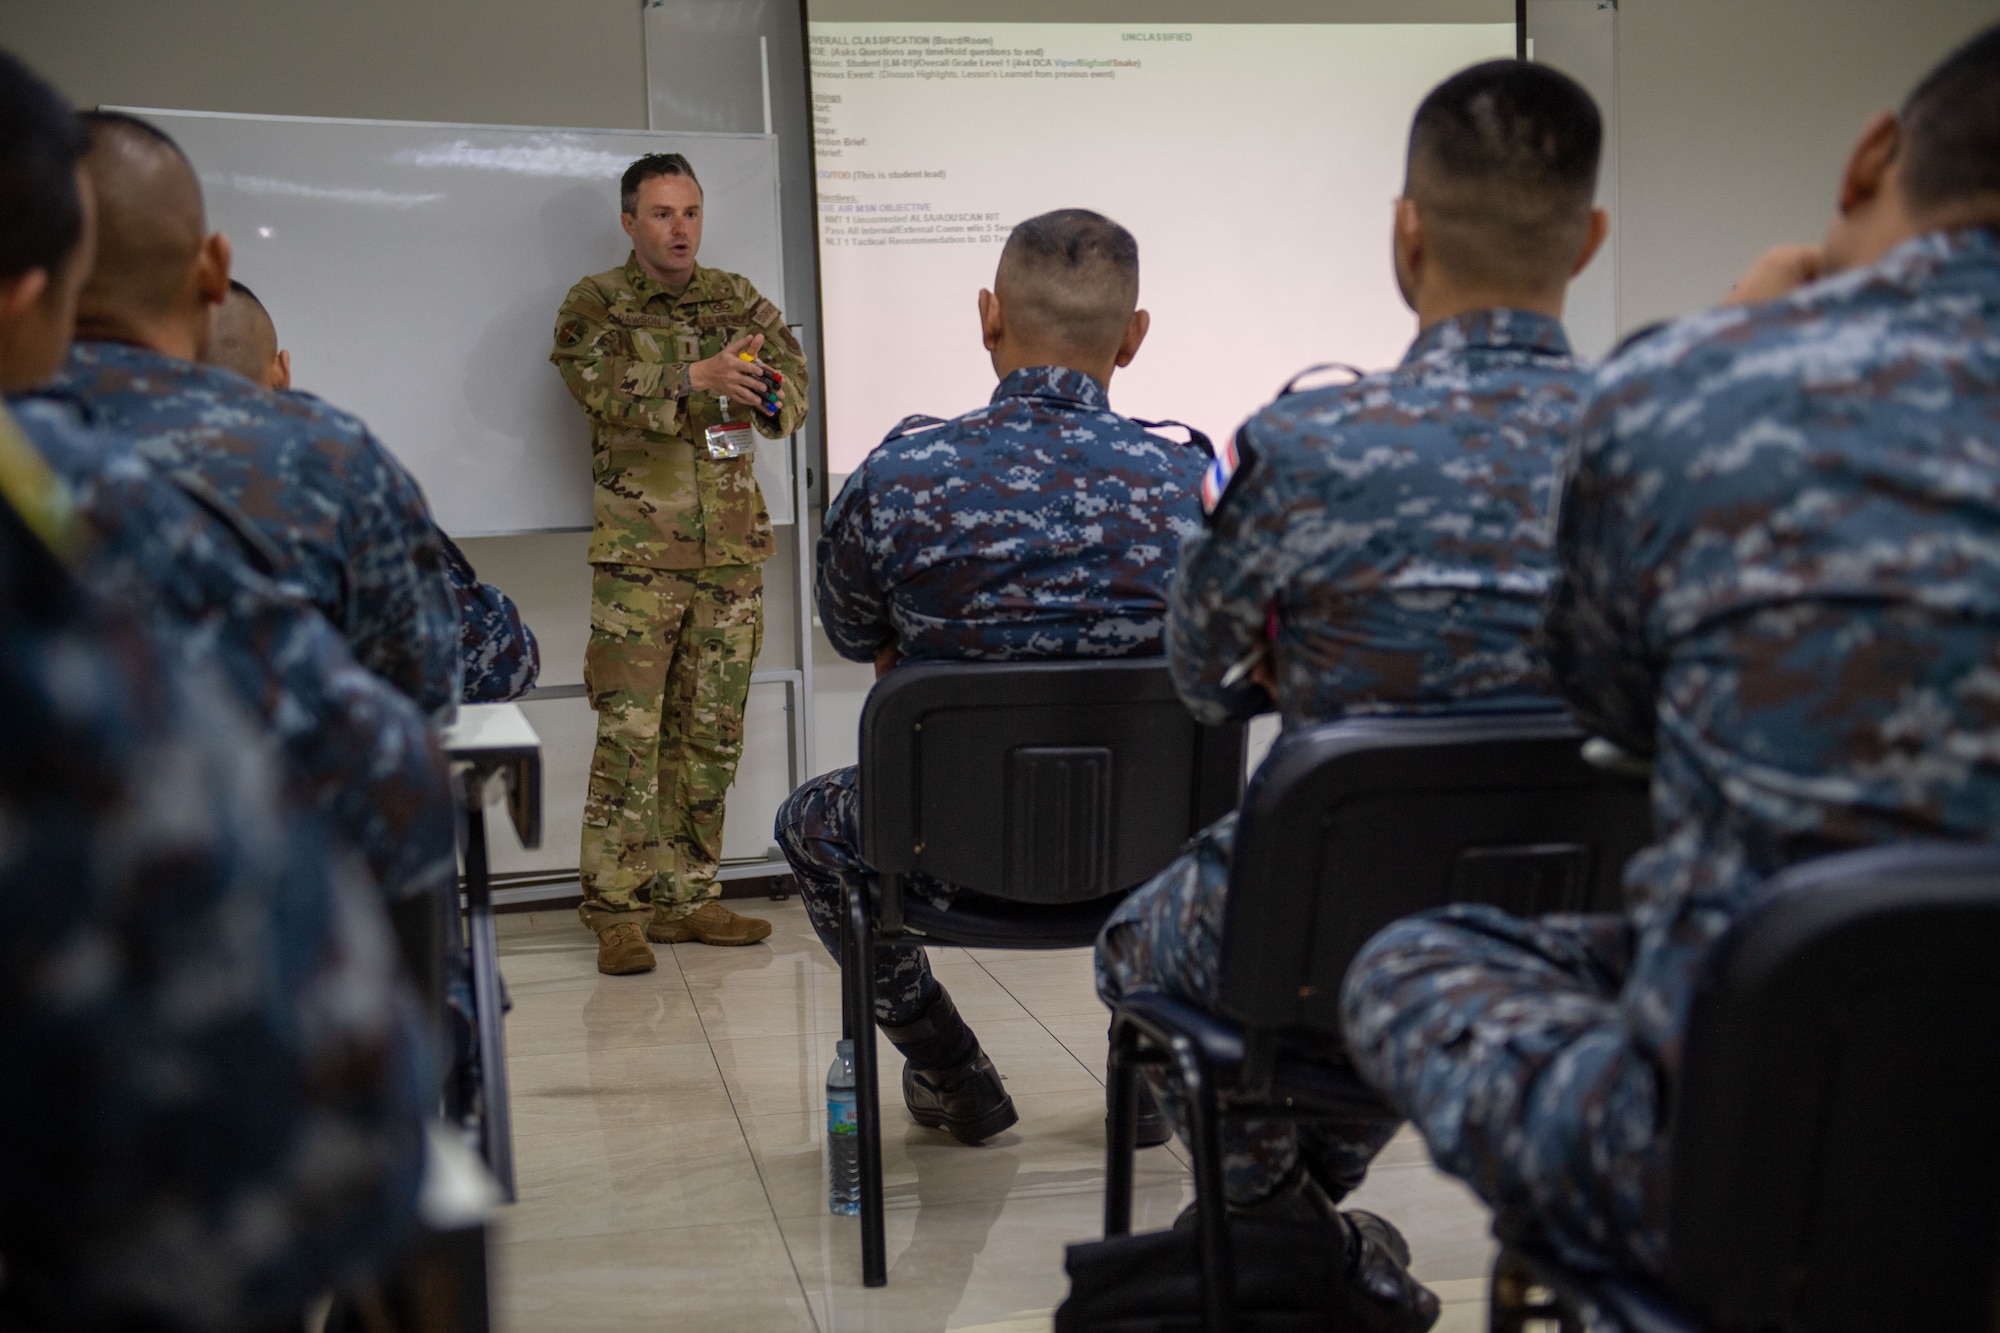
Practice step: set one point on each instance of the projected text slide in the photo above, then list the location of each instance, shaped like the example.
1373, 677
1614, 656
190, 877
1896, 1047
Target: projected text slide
1256, 164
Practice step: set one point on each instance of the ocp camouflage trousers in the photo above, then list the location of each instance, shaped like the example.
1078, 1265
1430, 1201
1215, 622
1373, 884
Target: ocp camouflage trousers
668, 671
819, 828
1167, 938
1503, 1040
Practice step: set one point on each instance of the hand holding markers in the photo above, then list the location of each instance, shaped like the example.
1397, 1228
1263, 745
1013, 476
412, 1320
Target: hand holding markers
774, 385
736, 373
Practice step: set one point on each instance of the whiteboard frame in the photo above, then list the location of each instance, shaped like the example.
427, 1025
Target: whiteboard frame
782, 451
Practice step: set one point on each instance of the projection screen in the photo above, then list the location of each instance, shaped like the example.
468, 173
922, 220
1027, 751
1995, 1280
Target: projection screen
1254, 160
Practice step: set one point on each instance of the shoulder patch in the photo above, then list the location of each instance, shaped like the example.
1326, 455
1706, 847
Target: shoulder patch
569, 331
31, 488
1232, 461
763, 312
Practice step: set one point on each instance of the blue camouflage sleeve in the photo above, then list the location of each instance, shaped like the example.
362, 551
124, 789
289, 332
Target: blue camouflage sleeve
853, 604
238, 1045
402, 619
498, 654
1594, 631
1219, 602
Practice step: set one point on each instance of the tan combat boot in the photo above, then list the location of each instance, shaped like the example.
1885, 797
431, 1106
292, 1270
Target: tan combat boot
711, 923
622, 950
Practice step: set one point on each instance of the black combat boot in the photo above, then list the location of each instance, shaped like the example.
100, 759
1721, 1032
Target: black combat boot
948, 1083
1377, 1293
1382, 1296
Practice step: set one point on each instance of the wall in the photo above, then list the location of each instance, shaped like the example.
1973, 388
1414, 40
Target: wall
1735, 117
503, 62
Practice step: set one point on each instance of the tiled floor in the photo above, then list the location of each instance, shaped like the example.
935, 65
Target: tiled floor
668, 1132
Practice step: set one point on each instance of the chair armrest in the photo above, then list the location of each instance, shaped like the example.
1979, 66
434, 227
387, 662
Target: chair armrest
1299, 1083
1607, 757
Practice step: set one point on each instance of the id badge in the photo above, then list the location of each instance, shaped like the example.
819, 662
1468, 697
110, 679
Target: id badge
732, 439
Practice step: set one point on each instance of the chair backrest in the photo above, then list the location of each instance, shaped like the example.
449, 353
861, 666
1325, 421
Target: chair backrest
1042, 782
1350, 825
1836, 1126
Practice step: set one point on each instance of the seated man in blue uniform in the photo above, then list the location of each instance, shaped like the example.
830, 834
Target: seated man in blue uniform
346, 524
497, 654
1780, 581
200, 1022
1383, 546
1041, 525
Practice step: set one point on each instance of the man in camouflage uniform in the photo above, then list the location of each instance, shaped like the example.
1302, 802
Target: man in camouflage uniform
498, 657
151, 856
1041, 525
340, 518
651, 351
357, 748
1779, 582
1383, 546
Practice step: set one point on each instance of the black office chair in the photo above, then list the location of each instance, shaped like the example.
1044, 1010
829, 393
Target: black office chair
1835, 1165
1347, 827
1046, 789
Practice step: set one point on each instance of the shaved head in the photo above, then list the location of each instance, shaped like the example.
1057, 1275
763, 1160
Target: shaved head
150, 224
1503, 163
1070, 279
245, 339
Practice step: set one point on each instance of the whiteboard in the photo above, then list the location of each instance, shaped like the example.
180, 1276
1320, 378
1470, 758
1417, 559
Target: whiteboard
414, 271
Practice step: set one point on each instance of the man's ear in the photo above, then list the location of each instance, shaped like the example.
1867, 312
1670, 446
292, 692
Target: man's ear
1135, 333
1868, 165
627, 221
211, 270
20, 293
991, 327
281, 370
1600, 227
1410, 246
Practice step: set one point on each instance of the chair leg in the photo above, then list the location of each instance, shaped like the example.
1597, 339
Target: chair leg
1121, 1140
496, 1135
1218, 1283
859, 977
844, 957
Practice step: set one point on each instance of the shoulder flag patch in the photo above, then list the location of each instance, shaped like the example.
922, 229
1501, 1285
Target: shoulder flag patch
1220, 472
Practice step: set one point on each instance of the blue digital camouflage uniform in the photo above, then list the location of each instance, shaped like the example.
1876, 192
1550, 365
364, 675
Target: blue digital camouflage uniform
1780, 579
1042, 525
349, 524
211, 1086
1388, 541
498, 656
356, 748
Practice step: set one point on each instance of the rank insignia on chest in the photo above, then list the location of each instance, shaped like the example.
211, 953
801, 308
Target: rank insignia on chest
688, 347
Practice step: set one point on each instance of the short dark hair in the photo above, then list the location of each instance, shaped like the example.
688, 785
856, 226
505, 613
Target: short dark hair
1951, 127
647, 168
39, 149
1073, 275
243, 289
98, 124
1503, 165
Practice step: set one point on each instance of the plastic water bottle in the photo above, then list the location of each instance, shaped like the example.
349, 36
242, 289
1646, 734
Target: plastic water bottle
843, 1143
